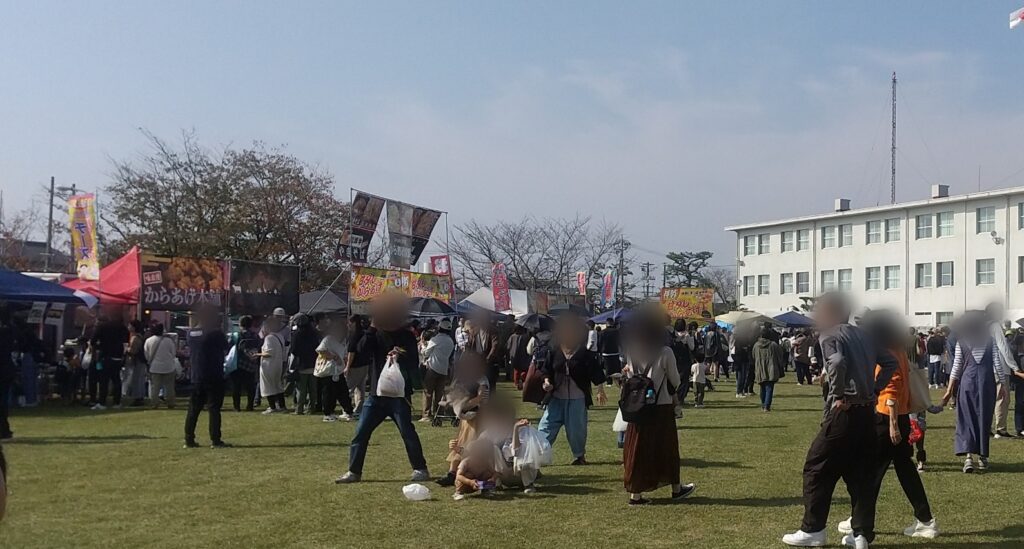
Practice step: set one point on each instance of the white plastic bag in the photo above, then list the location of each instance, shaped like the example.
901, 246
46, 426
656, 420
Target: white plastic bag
534, 449
416, 492
619, 425
391, 383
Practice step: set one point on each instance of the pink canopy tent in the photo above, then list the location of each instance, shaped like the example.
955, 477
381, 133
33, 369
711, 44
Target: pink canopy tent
118, 283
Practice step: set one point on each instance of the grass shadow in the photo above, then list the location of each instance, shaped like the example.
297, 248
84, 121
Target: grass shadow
702, 464
753, 502
99, 439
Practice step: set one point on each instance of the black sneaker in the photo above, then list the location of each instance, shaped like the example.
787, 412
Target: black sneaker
684, 492
580, 461
190, 444
220, 444
638, 502
447, 480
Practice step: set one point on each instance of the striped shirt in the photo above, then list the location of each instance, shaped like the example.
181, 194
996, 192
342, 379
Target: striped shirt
978, 353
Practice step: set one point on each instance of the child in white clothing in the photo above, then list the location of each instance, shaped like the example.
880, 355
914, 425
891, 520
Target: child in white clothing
698, 375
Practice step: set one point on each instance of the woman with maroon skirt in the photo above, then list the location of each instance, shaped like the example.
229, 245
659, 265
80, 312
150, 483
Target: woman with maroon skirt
651, 453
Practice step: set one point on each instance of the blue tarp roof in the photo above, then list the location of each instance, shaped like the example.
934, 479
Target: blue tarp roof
18, 287
618, 314
793, 319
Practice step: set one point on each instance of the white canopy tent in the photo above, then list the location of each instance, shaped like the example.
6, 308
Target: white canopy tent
484, 297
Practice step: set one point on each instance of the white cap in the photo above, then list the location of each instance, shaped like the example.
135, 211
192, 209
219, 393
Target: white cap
280, 312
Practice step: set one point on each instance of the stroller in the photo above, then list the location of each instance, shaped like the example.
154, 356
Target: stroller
445, 412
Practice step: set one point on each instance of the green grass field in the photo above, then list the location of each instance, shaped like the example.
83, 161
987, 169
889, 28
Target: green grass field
121, 479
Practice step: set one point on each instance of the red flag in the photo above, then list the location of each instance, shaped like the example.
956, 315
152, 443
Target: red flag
499, 286
440, 265
581, 282
1016, 18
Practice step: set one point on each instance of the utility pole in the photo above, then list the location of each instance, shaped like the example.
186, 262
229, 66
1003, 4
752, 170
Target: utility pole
892, 197
646, 267
664, 275
49, 230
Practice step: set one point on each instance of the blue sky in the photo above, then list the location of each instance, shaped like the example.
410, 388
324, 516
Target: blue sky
675, 118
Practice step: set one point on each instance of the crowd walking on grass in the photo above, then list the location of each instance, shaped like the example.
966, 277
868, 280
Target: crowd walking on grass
875, 376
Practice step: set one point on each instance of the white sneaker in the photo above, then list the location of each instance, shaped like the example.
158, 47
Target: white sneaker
922, 529
420, 475
268, 411
804, 539
99, 407
458, 497
859, 542
738, 395
424, 419
330, 419
846, 526
920, 467
344, 417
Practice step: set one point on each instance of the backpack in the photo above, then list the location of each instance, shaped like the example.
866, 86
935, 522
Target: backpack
638, 398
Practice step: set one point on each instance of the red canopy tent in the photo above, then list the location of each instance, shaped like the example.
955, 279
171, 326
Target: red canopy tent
118, 283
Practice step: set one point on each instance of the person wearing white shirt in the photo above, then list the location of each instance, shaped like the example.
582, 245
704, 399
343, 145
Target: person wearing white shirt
161, 351
591, 336
435, 356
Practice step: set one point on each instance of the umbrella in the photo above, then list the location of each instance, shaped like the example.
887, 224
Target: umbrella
735, 317
534, 322
618, 315
793, 319
428, 306
568, 308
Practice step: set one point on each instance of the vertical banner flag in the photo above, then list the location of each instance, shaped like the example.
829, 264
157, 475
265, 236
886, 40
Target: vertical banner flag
581, 282
1016, 18
423, 222
400, 234
82, 210
355, 242
499, 286
440, 265
608, 289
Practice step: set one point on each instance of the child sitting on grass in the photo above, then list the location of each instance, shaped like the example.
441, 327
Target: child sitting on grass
476, 471
467, 396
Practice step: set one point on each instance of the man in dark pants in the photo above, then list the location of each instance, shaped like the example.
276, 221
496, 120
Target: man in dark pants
7, 371
210, 345
387, 336
845, 447
108, 345
609, 345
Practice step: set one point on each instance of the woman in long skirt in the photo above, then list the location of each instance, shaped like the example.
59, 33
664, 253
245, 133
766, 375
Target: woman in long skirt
977, 369
651, 452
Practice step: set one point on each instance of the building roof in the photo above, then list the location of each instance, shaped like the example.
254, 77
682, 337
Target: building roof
31, 255
881, 209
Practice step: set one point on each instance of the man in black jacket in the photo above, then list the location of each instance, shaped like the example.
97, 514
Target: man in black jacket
108, 344
207, 371
388, 336
8, 343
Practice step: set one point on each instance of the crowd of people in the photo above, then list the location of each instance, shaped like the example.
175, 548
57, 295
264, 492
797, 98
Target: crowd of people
874, 376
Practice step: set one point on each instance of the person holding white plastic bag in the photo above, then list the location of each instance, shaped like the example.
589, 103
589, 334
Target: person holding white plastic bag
393, 347
330, 362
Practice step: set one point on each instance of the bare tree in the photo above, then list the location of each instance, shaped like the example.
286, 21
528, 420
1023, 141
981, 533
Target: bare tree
539, 253
724, 283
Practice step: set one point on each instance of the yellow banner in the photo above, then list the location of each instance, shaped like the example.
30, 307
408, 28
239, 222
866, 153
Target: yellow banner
368, 283
688, 303
82, 211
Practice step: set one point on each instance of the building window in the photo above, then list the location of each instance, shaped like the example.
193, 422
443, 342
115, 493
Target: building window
985, 271
786, 286
762, 284
943, 318
924, 226
764, 243
874, 232
748, 286
892, 277
749, 245
873, 278
892, 230
788, 239
828, 281
923, 275
803, 239
1020, 215
828, 236
803, 283
846, 280
985, 219
945, 222
1020, 269
845, 235
945, 272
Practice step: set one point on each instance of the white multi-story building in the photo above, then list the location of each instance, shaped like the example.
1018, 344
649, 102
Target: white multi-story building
930, 259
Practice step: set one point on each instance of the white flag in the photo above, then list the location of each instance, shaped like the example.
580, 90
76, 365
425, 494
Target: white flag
1016, 18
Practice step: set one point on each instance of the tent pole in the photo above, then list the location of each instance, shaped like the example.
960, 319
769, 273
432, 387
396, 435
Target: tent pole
329, 288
